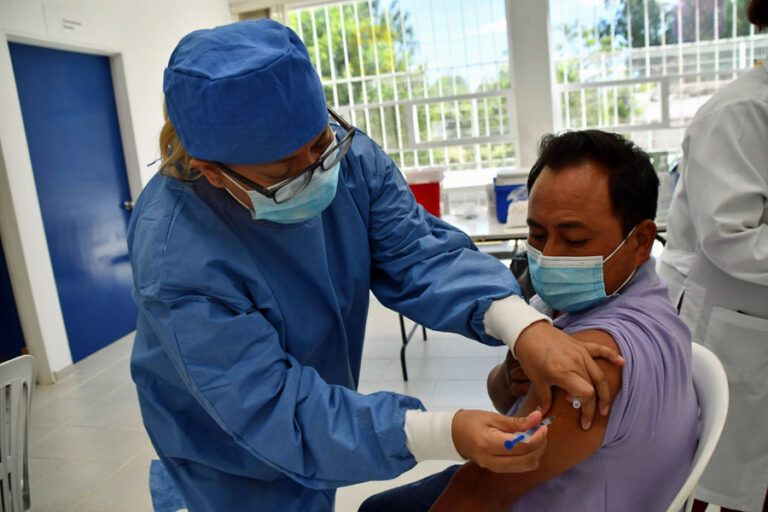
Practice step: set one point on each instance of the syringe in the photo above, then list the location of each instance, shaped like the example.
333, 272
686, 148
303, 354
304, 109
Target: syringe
524, 437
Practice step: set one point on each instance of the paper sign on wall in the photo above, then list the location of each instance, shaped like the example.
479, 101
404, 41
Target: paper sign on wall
65, 23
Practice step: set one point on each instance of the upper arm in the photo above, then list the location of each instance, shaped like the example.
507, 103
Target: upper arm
418, 259
567, 443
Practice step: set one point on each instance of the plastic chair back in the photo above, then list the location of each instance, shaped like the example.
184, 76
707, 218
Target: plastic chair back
17, 380
711, 386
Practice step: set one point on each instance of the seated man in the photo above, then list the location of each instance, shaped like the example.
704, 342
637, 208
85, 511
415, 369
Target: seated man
590, 213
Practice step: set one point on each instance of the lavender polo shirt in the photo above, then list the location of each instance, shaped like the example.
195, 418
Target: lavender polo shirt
652, 430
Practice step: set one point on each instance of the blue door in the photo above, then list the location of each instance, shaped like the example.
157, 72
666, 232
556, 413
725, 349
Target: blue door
70, 119
11, 338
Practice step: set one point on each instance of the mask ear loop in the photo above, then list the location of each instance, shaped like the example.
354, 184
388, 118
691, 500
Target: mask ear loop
634, 271
622, 243
626, 281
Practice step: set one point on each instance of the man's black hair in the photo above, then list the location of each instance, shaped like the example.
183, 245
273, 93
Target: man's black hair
632, 182
757, 13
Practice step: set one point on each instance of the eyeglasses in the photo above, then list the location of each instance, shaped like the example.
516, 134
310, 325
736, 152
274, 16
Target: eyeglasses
290, 188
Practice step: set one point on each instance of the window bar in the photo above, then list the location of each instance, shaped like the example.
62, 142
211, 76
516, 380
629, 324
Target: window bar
331, 61
442, 118
501, 100
664, 92
614, 66
378, 80
439, 84
487, 124
647, 39
474, 123
429, 121
417, 134
426, 109
361, 62
600, 91
566, 94
347, 71
629, 44
456, 115
456, 107
455, 89
300, 29
663, 25
476, 131
483, 87
717, 47
408, 77
315, 42
601, 97
681, 63
698, 40
582, 93
502, 105
394, 85
734, 32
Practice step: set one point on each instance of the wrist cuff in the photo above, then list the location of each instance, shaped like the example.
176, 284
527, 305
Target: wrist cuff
508, 317
428, 435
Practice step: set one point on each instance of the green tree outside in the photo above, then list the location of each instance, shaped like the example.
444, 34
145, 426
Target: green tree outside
624, 28
383, 64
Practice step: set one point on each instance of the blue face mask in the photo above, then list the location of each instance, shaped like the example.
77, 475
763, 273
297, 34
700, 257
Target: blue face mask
571, 283
315, 198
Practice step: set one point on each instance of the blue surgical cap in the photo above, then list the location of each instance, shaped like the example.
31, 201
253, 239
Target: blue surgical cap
244, 93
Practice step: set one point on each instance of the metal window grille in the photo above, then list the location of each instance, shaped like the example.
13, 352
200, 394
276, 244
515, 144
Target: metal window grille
427, 79
643, 67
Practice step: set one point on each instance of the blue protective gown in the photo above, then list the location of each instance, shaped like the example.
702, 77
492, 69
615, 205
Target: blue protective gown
250, 333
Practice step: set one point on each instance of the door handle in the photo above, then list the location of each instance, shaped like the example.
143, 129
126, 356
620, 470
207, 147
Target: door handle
128, 205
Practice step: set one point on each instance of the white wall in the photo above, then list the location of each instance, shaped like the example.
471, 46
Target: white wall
139, 36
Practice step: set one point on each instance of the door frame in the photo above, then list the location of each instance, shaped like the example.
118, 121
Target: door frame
21, 223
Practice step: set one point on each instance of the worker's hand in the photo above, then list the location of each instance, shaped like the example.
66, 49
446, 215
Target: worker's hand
480, 436
552, 358
506, 383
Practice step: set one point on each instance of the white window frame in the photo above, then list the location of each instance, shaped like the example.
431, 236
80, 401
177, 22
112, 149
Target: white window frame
743, 52
413, 142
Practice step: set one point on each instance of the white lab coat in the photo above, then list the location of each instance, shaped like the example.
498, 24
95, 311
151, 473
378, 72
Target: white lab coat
716, 259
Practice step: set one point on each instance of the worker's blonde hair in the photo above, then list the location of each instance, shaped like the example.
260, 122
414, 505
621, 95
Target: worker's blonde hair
174, 159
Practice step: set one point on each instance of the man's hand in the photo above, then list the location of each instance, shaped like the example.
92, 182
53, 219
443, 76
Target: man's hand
552, 358
506, 383
480, 436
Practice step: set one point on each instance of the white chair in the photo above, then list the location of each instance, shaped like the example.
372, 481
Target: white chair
17, 380
711, 386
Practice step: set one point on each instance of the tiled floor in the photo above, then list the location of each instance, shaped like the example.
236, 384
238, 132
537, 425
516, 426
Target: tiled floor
89, 451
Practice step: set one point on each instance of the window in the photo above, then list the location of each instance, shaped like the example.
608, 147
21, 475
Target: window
427, 79
644, 67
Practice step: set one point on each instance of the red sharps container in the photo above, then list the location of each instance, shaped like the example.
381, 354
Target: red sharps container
426, 187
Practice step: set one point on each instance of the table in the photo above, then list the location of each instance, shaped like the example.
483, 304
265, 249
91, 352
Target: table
486, 228
491, 236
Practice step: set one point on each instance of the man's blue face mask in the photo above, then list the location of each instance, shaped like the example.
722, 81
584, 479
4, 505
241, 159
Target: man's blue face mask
313, 199
571, 283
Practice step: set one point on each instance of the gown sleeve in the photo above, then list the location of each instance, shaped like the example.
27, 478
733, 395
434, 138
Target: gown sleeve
425, 268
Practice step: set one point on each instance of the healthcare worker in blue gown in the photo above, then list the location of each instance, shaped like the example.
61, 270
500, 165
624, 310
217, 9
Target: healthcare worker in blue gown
253, 252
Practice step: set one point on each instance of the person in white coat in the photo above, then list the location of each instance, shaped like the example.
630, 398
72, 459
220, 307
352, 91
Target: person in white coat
716, 266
